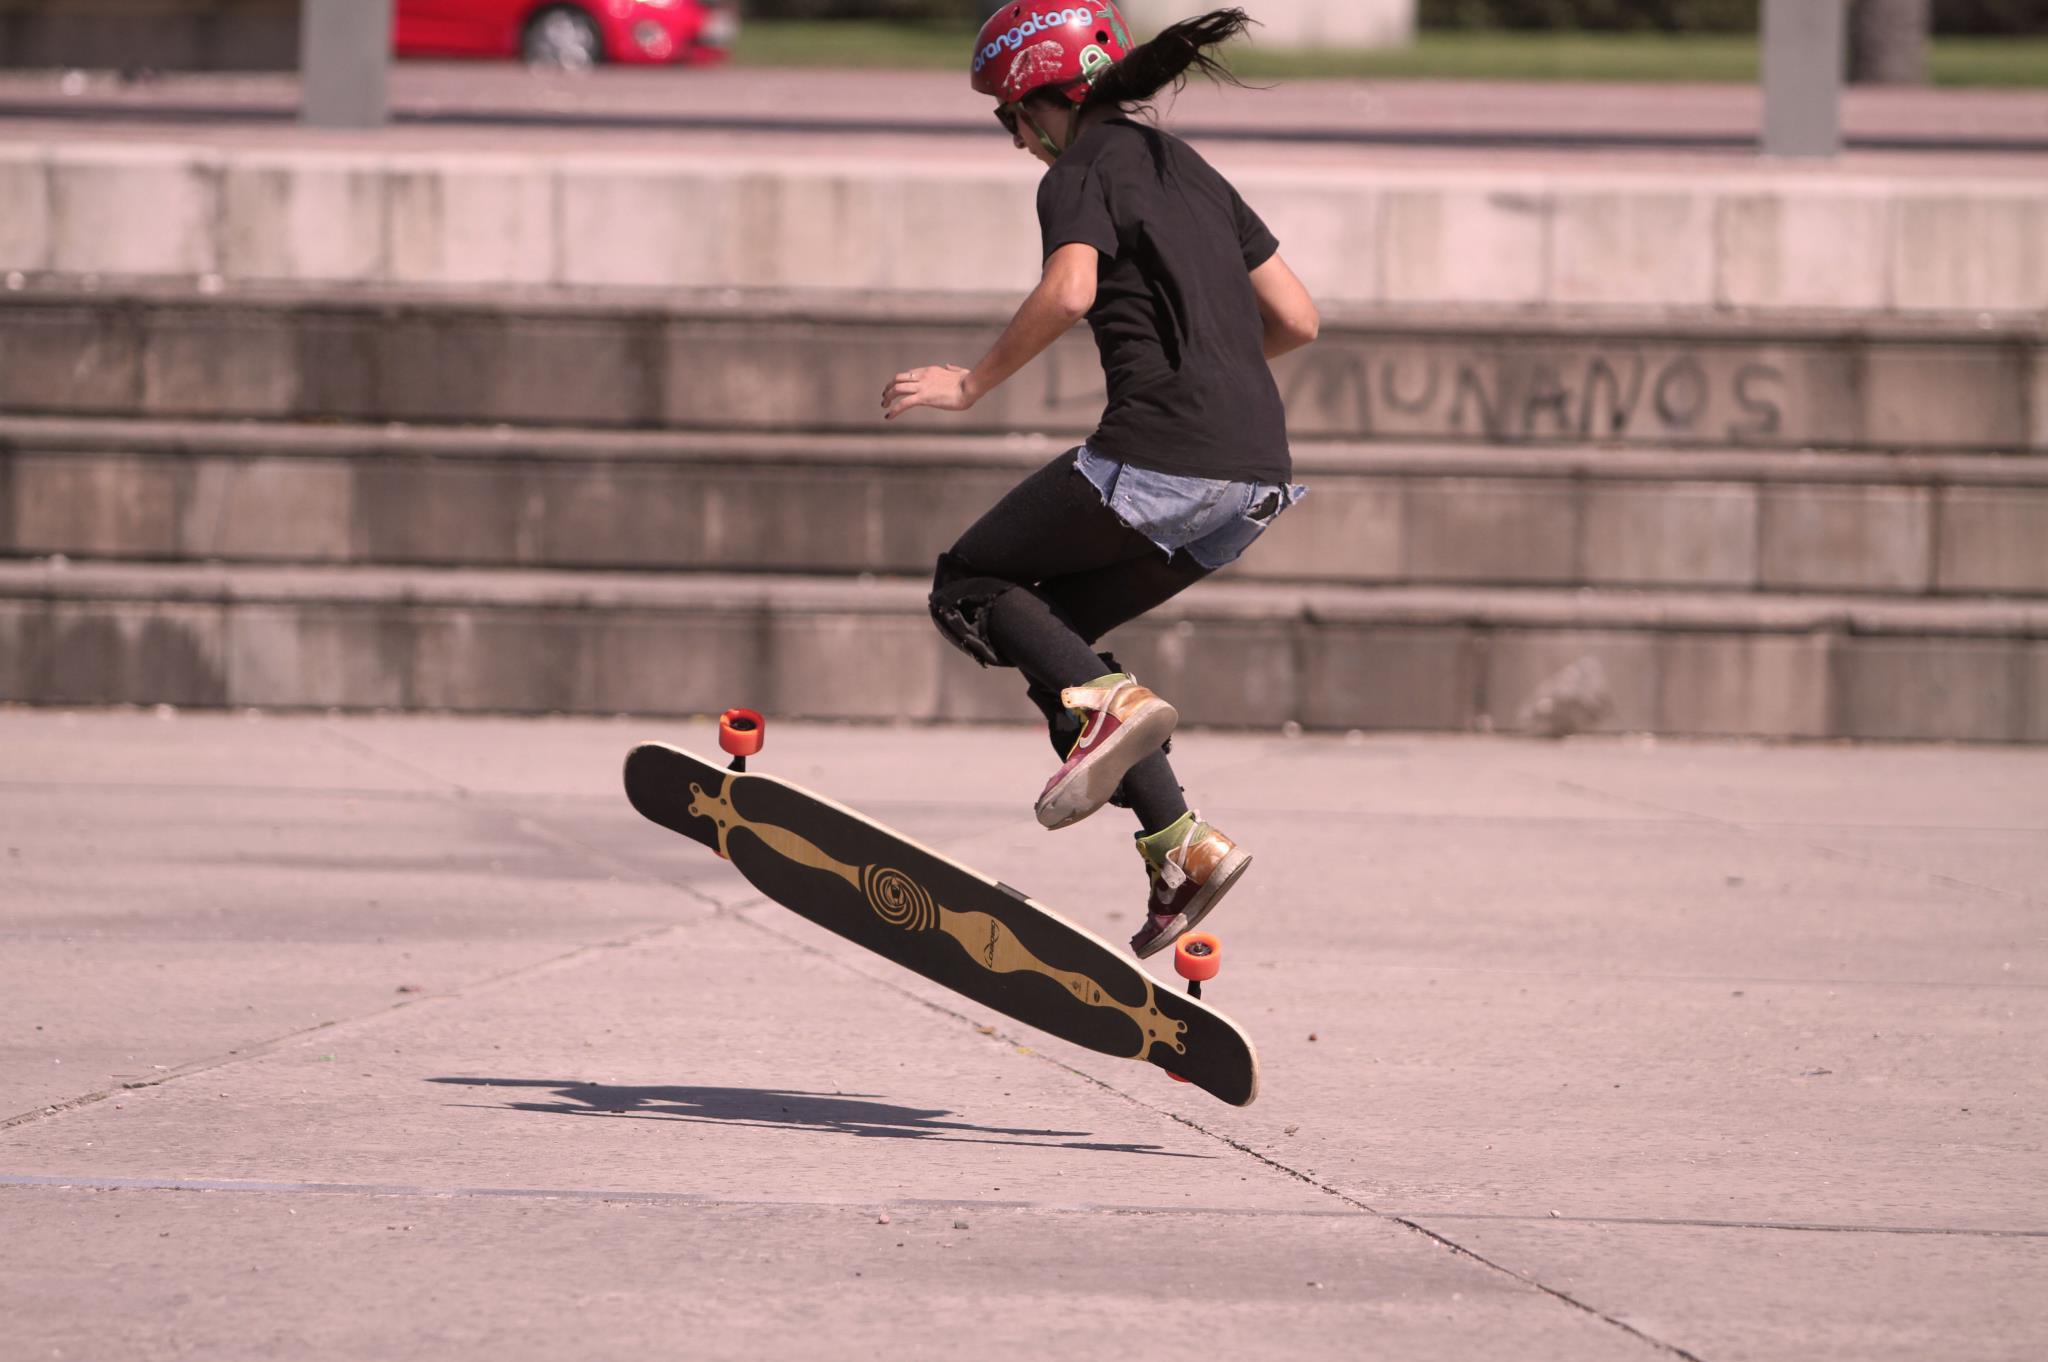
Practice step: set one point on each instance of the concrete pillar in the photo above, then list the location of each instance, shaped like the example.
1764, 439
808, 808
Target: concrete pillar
1296, 23
1804, 43
344, 62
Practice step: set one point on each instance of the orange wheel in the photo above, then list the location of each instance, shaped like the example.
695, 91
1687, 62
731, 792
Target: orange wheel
1197, 956
1177, 1078
742, 731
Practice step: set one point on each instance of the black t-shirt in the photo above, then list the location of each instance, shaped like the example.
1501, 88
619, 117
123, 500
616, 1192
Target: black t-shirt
1175, 318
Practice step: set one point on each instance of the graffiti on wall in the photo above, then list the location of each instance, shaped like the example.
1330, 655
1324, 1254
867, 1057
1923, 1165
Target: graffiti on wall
1535, 395
1526, 393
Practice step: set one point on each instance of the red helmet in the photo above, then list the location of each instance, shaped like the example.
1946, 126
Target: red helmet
1031, 44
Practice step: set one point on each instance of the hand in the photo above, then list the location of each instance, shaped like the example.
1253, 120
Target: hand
942, 387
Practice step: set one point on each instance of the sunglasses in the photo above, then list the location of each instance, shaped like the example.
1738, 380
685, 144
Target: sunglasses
1006, 114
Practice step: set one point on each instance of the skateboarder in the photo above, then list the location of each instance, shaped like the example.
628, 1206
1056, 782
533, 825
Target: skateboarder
1188, 298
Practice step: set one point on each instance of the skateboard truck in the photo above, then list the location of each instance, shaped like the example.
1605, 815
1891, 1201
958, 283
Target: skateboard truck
741, 732
1196, 957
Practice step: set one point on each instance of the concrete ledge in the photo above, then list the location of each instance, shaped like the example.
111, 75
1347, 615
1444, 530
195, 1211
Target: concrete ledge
1605, 235
1229, 655
1378, 514
814, 363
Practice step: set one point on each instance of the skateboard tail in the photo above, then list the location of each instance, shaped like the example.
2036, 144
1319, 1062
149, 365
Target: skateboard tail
1233, 1081
664, 801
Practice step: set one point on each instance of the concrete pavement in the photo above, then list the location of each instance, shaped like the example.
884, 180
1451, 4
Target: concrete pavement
1605, 1049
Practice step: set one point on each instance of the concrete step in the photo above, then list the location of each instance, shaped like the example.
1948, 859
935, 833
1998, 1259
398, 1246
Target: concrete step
1380, 514
817, 363
1237, 654
869, 202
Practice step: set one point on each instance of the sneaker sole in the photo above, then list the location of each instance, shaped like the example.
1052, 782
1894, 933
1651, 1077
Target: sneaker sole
1089, 786
1233, 868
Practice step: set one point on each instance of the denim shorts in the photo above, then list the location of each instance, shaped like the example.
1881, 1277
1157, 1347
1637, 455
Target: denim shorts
1214, 520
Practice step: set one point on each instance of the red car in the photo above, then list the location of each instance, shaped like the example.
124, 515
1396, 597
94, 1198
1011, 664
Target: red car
571, 33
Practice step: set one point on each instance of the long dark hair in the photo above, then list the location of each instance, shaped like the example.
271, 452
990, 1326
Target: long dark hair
1167, 59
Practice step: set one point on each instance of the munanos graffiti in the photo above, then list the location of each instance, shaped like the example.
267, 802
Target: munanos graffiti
1529, 395
1517, 392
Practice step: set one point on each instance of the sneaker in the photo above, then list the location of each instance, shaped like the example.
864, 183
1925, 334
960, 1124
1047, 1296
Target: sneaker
1122, 724
1192, 866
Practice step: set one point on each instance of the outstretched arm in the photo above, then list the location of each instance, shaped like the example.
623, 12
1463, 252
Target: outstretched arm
1063, 297
1289, 313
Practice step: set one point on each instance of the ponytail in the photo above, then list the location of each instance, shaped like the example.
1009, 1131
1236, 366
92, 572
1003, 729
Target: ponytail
1164, 61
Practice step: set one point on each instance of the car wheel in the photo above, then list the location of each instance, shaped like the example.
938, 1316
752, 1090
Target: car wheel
565, 37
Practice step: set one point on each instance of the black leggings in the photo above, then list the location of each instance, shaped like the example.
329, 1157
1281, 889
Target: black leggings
1037, 580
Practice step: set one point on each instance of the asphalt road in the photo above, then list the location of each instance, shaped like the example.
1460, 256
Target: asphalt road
405, 1037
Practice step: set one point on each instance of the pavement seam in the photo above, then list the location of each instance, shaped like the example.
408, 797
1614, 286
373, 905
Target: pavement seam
1441, 1240
496, 805
1683, 1222
1276, 1165
449, 792
61, 1182
263, 1048
1032, 1052
115, 1183
52, 1110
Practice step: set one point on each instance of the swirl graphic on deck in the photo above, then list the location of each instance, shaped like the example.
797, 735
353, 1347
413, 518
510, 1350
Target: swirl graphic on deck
898, 899
903, 902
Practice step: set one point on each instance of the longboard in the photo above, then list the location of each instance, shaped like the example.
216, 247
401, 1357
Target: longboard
956, 927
